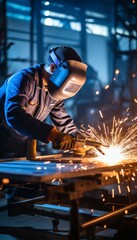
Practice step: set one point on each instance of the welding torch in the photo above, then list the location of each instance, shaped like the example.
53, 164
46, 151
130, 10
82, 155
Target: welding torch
82, 142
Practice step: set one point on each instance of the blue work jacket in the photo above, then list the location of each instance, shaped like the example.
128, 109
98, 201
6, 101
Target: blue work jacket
24, 106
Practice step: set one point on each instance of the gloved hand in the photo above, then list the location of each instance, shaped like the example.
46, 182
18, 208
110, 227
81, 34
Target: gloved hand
63, 141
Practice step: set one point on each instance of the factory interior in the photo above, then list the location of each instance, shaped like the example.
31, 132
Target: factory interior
92, 195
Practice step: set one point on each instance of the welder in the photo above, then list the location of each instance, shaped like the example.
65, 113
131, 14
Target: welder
32, 94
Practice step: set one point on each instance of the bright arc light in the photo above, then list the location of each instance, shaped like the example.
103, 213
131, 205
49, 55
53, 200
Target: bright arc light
112, 155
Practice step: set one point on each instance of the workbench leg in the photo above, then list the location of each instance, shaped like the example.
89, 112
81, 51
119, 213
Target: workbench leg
74, 221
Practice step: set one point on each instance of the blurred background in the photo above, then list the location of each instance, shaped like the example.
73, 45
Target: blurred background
103, 32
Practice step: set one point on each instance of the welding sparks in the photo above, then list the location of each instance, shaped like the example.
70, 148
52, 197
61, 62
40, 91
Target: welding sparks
121, 141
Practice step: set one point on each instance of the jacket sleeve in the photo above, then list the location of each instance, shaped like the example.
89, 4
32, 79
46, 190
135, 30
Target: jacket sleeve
18, 92
62, 119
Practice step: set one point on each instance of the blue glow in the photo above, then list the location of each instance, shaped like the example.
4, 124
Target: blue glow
19, 16
19, 7
50, 20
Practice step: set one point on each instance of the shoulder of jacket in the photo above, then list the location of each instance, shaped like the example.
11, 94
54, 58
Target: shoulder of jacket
32, 72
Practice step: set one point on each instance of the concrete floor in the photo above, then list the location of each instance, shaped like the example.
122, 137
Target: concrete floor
16, 228
23, 227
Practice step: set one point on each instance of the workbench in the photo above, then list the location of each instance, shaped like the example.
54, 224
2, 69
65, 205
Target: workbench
56, 180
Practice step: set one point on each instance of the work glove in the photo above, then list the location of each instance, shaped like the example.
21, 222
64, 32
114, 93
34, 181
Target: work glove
62, 141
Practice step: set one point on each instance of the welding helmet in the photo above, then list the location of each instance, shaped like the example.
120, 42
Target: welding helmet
69, 75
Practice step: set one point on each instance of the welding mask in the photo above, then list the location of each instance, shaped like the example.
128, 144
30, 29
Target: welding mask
67, 79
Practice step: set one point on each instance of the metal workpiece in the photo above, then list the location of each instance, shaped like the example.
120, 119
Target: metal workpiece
61, 167
32, 149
